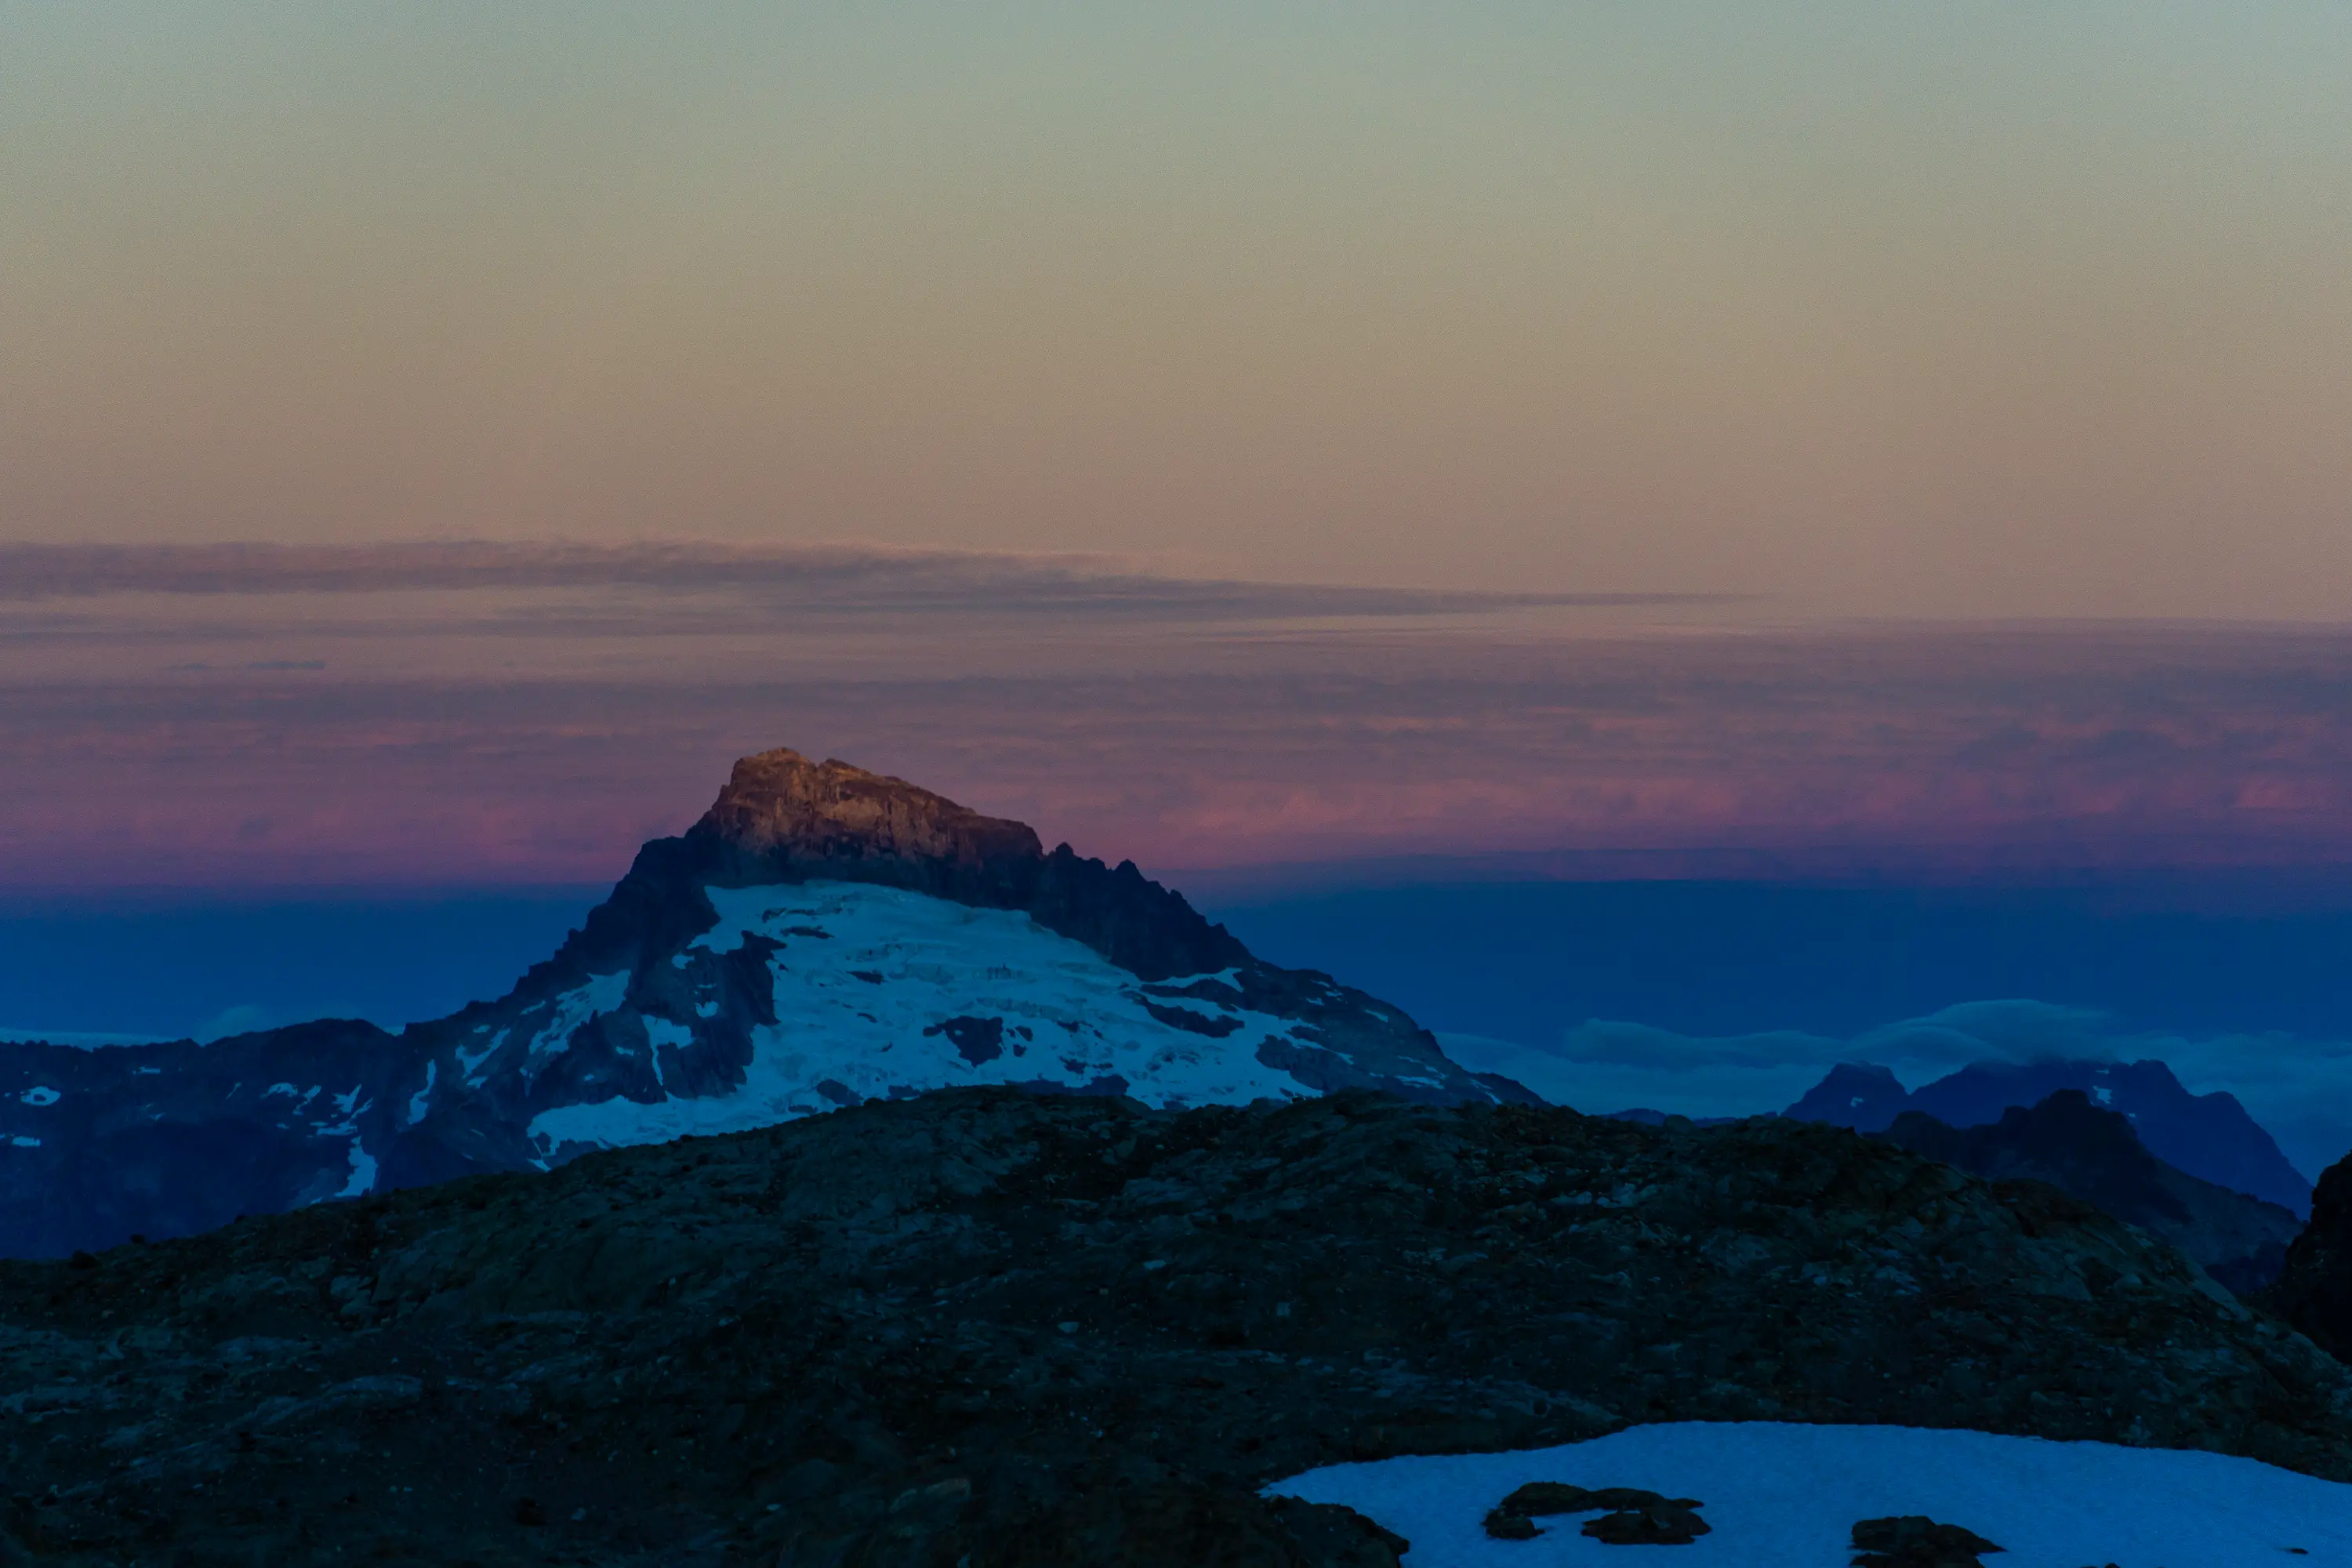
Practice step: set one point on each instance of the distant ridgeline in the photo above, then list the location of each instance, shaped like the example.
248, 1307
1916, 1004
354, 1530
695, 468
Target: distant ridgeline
2209, 1136
2093, 1154
823, 936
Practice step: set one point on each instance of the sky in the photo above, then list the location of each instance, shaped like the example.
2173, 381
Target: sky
1324, 454
1984, 309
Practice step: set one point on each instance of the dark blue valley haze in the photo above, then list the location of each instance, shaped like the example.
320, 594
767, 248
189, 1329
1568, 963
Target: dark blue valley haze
1522, 960
1514, 961
177, 968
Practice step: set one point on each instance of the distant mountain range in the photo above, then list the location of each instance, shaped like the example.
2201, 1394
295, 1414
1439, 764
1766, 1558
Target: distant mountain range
823, 936
2093, 1154
2208, 1136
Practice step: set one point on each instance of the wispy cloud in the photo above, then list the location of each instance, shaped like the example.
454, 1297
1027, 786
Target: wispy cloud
842, 577
422, 758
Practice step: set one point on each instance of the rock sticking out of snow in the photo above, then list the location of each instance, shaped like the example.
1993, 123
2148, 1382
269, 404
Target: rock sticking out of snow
1630, 1516
1915, 1540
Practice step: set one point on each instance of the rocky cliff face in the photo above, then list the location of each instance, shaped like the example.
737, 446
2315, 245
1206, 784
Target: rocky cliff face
2209, 1136
2315, 1290
991, 1328
2093, 1154
782, 820
823, 936
780, 805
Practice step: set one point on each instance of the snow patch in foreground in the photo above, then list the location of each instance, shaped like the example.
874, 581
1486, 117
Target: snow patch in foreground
1780, 1495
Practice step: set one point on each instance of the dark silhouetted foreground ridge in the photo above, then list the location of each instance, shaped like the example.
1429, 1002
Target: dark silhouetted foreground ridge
997, 1329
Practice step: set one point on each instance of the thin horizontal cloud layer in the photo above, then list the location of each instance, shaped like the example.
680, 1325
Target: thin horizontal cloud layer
839, 576
355, 748
2297, 1088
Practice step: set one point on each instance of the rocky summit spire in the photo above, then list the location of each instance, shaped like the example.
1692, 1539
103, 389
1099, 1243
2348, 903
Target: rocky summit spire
780, 805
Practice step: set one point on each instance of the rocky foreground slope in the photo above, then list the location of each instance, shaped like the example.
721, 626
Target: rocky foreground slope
988, 1328
2315, 1291
822, 936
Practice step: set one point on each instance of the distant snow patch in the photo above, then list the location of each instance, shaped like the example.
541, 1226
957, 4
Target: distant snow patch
363, 1172
469, 1062
1780, 1495
23, 1142
41, 1094
572, 1008
417, 1101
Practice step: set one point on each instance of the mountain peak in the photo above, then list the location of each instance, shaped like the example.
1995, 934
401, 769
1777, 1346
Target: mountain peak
2095, 1154
823, 936
779, 803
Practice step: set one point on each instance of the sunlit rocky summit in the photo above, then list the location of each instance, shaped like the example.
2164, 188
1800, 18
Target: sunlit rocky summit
822, 937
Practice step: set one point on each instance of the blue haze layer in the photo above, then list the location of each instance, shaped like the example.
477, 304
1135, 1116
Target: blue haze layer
1734, 997
1522, 960
180, 969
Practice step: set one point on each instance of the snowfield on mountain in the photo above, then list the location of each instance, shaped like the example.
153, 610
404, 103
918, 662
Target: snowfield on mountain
881, 994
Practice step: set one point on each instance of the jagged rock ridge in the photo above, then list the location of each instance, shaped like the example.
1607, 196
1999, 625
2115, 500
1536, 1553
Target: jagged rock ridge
822, 936
2315, 1290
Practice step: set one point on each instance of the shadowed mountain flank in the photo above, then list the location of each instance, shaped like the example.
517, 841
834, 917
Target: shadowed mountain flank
2209, 1136
2093, 1154
2315, 1288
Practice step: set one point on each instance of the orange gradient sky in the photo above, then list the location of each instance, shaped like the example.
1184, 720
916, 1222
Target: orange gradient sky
1971, 309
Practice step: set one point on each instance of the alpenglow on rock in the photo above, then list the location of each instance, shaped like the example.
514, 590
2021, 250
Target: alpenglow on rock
822, 936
